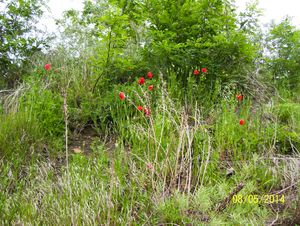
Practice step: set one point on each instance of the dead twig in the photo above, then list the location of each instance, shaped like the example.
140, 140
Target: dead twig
226, 201
274, 220
64, 94
110, 192
209, 149
287, 187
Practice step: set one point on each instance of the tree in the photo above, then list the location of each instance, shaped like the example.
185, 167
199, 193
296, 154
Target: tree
186, 35
283, 44
109, 30
17, 20
178, 36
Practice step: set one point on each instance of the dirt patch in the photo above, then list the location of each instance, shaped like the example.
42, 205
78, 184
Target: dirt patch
87, 138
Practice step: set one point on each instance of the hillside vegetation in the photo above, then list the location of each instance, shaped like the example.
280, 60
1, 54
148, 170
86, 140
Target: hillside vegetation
146, 112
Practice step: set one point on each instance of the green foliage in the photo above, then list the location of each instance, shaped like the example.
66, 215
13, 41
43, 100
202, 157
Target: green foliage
192, 138
134, 36
287, 137
283, 43
48, 107
116, 58
188, 35
250, 18
288, 112
19, 132
17, 21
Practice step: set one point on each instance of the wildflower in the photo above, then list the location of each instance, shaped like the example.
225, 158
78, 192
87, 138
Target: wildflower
204, 70
239, 96
151, 87
241, 122
149, 74
196, 72
139, 108
121, 96
149, 166
141, 81
47, 66
147, 111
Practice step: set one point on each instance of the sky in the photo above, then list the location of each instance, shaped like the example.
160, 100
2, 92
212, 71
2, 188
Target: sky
274, 9
57, 7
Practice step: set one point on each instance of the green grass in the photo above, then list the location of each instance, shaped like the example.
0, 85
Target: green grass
191, 146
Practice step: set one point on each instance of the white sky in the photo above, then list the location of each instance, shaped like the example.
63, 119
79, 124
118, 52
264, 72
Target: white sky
274, 9
57, 7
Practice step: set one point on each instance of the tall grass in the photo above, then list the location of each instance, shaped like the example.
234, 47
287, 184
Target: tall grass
199, 155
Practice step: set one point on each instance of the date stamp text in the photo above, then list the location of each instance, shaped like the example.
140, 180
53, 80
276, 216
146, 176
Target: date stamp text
258, 199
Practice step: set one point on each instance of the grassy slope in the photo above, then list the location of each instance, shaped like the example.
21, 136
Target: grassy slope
201, 158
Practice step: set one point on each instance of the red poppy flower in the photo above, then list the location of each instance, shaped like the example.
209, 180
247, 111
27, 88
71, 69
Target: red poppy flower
149, 166
241, 122
47, 66
121, 96
196, 72
139, 108
147, 111
204, 70
149, 74
141, 81
151, 87
239, 96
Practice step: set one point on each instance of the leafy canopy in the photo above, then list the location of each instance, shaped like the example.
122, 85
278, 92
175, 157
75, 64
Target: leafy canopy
17, 44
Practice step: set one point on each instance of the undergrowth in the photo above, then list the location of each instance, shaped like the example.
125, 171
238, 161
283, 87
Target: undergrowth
181, 164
